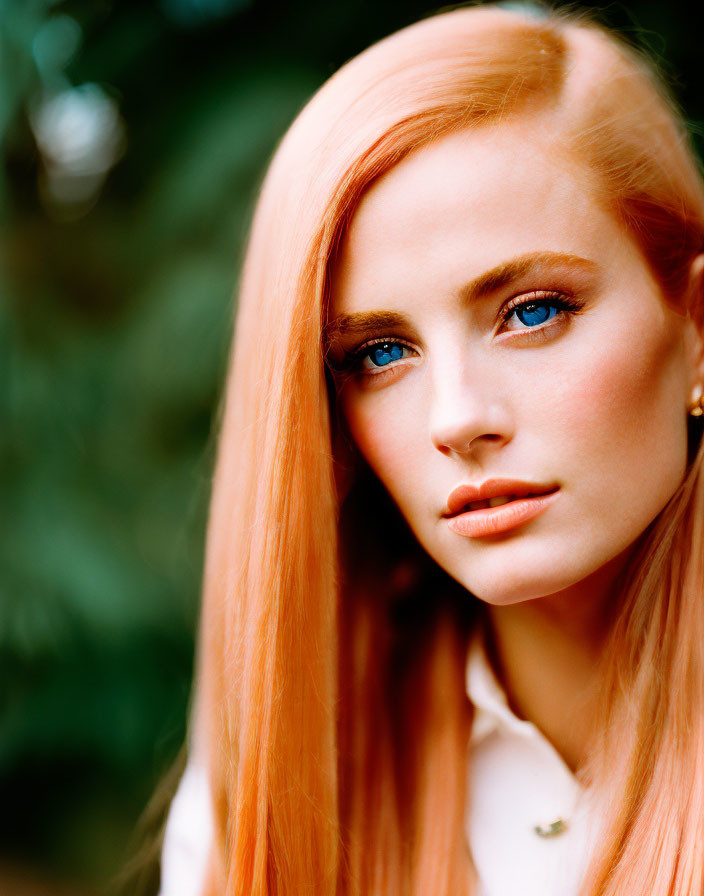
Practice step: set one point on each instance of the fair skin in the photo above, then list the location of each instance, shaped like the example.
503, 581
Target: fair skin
587, 397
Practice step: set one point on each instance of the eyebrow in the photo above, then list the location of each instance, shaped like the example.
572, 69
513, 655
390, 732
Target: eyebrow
361, 323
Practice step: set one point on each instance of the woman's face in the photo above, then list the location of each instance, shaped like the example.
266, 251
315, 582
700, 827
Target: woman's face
516, 334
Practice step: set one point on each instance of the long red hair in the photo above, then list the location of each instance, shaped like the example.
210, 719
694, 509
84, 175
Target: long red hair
330, 701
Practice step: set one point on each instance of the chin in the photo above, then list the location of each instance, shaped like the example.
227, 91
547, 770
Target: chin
503, 588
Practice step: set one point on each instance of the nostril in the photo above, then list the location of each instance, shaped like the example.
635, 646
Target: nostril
487, 437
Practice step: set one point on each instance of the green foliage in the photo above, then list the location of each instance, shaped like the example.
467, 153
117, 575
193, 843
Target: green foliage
114, 328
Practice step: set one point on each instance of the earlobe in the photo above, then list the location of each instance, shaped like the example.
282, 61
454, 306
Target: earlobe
694, 340
694, 334
695, 351
695, 292
695, 407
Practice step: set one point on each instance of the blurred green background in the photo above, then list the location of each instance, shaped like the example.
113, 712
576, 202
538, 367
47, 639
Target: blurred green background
133, 137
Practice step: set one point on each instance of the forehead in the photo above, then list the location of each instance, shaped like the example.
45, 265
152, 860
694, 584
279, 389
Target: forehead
466, 203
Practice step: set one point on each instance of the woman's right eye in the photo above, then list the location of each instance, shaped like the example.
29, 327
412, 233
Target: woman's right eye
381, 354
374, 361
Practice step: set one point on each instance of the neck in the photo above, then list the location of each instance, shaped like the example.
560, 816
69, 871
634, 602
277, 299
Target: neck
545, 652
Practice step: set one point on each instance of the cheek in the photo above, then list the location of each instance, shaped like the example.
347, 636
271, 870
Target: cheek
385, 436
623, 411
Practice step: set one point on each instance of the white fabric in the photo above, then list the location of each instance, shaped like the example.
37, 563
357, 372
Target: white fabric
516, 780
189, 830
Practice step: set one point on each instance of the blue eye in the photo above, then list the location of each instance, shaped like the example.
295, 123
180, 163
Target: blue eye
542, 307
534, 313
383, 353
369, 359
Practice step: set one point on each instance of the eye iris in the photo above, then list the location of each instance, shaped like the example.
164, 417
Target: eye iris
533, 314
385, 352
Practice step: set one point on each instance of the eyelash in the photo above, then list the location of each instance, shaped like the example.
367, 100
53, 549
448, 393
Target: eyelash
567, 306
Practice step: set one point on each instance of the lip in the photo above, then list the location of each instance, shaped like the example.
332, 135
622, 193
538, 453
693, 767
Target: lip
531, 499
493, 488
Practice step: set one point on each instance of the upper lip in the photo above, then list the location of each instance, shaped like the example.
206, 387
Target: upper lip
463, 495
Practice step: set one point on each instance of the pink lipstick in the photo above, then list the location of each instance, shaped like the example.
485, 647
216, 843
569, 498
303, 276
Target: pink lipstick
496, 506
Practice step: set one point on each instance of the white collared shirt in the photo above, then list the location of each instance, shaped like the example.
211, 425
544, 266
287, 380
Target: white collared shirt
516, 781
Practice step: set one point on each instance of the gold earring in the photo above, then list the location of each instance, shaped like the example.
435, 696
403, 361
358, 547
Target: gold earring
696, 406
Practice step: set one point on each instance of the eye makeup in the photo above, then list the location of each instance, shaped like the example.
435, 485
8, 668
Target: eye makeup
531, 311
529, 318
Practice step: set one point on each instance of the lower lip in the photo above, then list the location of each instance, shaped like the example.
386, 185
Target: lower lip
495, 520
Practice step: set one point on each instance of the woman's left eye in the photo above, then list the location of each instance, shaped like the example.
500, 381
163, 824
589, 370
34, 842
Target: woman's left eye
525, 315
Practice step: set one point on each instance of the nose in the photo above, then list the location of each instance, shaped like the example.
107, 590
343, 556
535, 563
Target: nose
469, 416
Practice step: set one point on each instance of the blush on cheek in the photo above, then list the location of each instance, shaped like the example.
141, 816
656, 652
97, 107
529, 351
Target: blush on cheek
651, 383
627, 372
590, 397
621, 408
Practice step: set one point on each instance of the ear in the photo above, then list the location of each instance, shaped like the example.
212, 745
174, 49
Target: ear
694, 328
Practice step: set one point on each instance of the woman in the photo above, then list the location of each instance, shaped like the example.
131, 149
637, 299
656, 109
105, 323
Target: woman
453, 629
